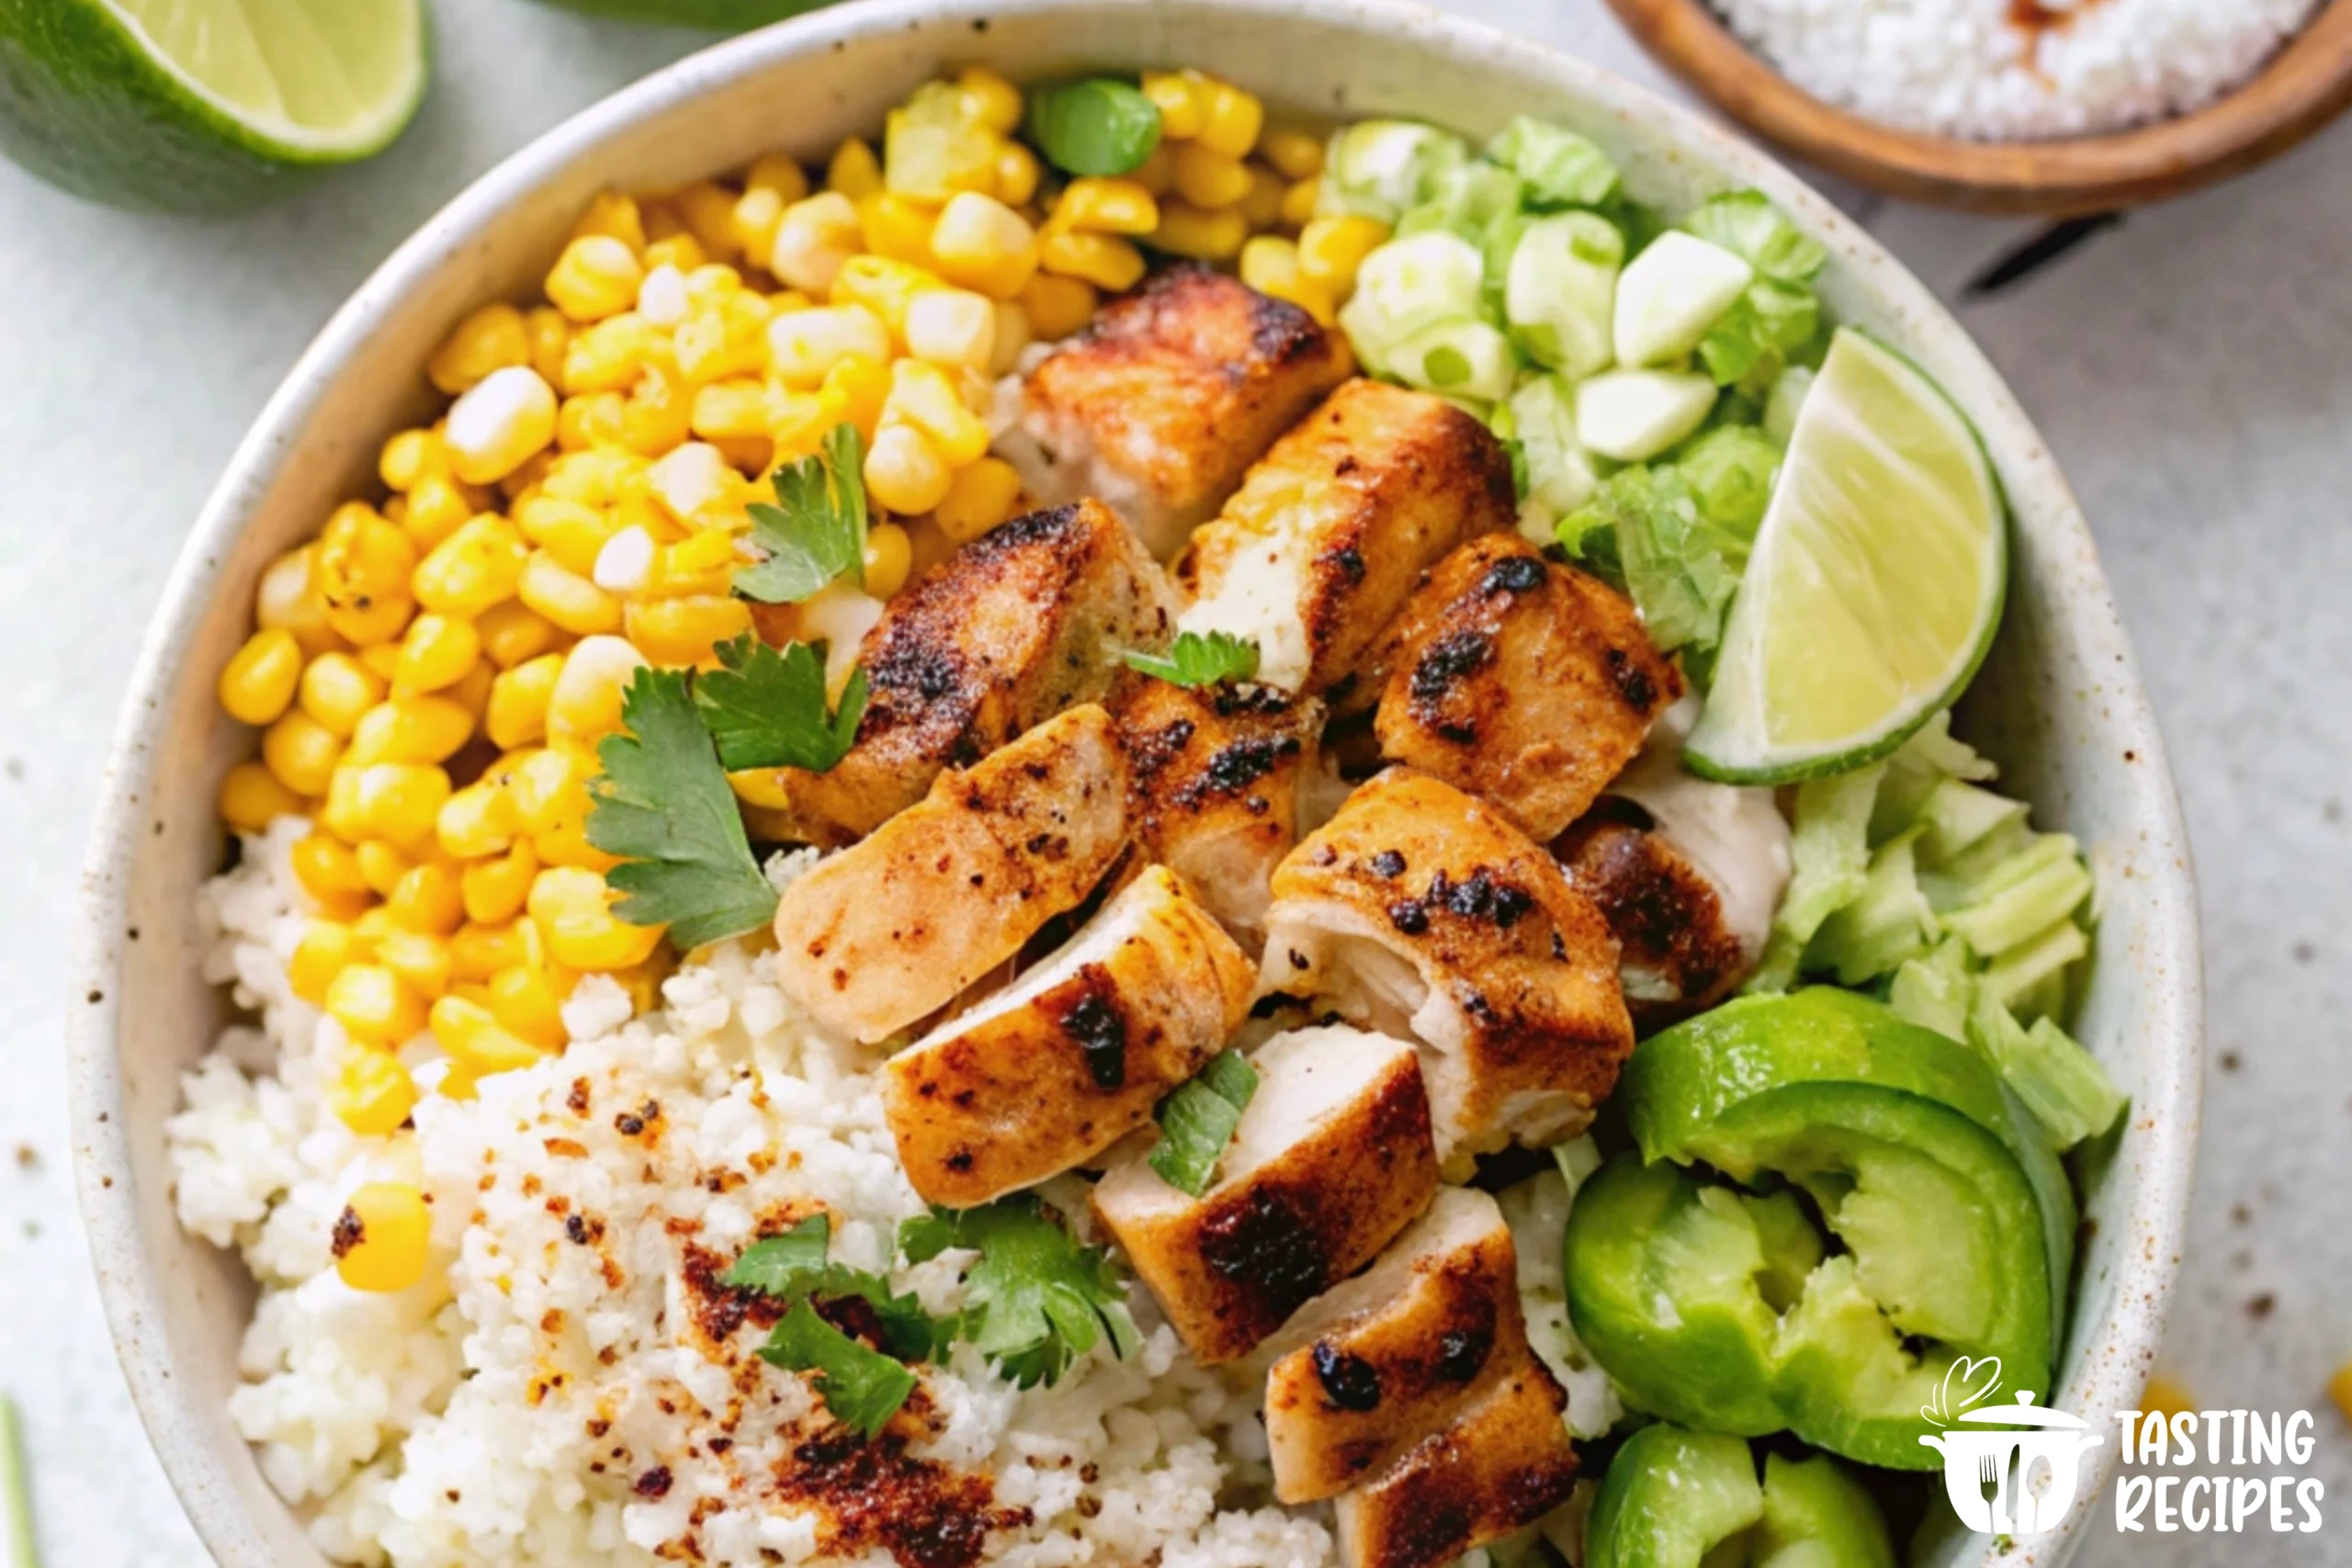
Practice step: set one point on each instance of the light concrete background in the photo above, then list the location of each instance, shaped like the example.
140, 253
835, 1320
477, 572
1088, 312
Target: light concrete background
2193, 369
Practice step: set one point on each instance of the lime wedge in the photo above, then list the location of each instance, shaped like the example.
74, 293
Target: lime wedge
204, 106
1876, 582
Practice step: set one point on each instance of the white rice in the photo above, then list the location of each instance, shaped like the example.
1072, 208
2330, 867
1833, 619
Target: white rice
513, 1408
1970, 68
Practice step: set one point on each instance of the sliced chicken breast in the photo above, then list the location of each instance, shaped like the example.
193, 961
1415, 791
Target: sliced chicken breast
1055, 1068
1503, 1465
891, 929
1420, 911
1331, 1159
1172, 393
1220, 773
1326, 538
1397, 1352
1526, 682
1012, 628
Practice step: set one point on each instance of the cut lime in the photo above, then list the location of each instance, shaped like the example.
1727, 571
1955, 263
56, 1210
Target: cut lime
204, 106
1876, 582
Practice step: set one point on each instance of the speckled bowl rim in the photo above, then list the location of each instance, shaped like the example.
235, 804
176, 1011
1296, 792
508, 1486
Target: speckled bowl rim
2164, 1116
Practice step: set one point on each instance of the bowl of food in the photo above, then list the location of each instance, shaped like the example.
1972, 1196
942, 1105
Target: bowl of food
993, 791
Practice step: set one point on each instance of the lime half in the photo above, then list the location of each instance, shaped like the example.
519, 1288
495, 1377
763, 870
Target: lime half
204, 106
1876, 582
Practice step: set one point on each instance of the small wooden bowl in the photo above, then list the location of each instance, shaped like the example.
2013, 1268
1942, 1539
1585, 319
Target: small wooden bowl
2305, 85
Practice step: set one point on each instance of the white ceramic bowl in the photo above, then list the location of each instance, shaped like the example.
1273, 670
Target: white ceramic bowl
2060, 703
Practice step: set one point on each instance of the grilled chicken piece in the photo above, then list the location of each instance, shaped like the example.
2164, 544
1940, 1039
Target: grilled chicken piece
1161, 404
1009, 630
1331, 1159
1528, 683
1219, 773
1420, 911
1505, 1463
1687, 873
1055, 1068
1326, 538
885, 932
1397, 1352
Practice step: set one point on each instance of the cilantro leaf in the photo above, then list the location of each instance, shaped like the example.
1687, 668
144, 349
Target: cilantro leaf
765, 707
817, 529
1197, 660
862, 1387
793, 1268
1197, 1118
774, 1264
663, 805
1036, 1300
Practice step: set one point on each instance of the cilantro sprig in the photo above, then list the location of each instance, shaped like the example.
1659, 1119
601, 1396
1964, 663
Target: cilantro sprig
1197, 1120
1197, 660
861, 1386
1034, 1300
816, 532
766, 707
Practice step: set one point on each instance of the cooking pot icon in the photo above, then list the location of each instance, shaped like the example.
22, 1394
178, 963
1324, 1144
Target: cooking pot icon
2045, 1459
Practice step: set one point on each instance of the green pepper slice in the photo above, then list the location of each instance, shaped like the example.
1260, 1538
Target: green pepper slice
1816, 1514
1673, 1499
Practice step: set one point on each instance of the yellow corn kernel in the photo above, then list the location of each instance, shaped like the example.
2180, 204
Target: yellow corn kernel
1233, 122
549, 335
757, 213
473, 568
1017, 175
437, 508
988, 100
364, 574
1299, 203
258, 682
476, 1042
1333, 248
1207, 178
471, 689
475, 821
762, 787
252, 797
371, 1093
1183, 99
803, 346
692, 484
517, 715
731, 410
658, 415
479, 951
398, 802
421, 962
981, 243
546, 785
982, 495
1103, 260
853, 393
779, 173
373, 1005
708, 208
300, 752
381, 661
884, 287
889, 556
725, 338
922, 395
527, 1001
382, 866
616, 215
572, 908
585, 703
501, 423
407, 458
492, 338
813, 238
410, 729
382, 1237
610, 355
436, 651
566, 599
572, 532
1270, 264
325, 948
898, 226
853, 171
684, 630
1057, 306
593, 479
596, 276
328, 868
1107, 206
514, 634
1202, 235
954, 327
1263, 206
1295, 154
338, 814
291, 597
1157, 173
904, 472
677, 248
493, 889
1013, 337
429, 900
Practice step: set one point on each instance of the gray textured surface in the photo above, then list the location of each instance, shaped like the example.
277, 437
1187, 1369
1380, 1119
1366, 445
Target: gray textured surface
2188, 368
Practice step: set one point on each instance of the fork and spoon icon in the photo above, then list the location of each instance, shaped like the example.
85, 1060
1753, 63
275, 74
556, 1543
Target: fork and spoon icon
1992, 1485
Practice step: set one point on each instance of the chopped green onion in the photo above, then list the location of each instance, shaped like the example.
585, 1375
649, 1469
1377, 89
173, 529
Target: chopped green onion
1561, 168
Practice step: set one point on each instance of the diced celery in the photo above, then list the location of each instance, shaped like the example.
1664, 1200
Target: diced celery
1746, 224
1381, 167
1886, 921
1671, 294
1960, 881
1643, 530
1407, 284
2016, 977
2024, 895
1561, 168
2063, 1085
1829, 863
1466, 199
1561, 289
1634, 415
1956, 815
1559, 473
1731, 469
1934, 990
1786, 397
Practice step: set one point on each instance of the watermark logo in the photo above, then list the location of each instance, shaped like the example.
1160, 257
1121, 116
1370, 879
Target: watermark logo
2009, 1470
